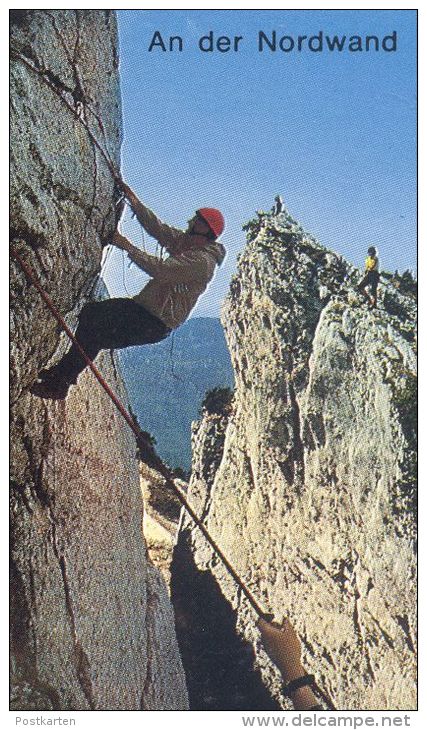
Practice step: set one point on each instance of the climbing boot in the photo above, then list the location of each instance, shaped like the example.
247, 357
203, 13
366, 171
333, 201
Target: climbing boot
50, 389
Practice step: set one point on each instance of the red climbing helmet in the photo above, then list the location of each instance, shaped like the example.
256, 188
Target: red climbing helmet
213, 218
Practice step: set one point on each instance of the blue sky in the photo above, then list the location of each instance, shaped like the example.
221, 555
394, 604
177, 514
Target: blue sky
334, 133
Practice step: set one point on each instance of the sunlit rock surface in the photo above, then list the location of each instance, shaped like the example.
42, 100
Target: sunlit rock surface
309, 485
91, 622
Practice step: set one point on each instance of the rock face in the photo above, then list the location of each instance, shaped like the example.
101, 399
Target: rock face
92, 626
309, 485
161, 517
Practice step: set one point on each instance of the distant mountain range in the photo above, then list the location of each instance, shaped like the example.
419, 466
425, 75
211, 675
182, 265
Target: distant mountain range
167, 382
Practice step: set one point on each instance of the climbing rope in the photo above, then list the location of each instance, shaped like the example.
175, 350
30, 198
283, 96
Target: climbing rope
130, 263
115, 173
76, 114
74, 111
110, 164
147, 451
148, 454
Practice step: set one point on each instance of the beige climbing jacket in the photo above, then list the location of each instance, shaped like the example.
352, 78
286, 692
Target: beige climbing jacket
179, 280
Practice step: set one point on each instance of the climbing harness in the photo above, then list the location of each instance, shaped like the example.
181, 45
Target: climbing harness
148, 454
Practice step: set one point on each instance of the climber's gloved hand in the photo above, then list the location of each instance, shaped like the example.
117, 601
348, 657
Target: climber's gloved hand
283, 647
120, 241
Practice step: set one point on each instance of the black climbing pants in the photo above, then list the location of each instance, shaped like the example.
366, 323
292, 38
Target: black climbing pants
370, 279
108, 325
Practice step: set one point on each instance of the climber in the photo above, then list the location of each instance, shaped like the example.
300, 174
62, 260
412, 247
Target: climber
284, 649
278, 205
163, 304
371, 277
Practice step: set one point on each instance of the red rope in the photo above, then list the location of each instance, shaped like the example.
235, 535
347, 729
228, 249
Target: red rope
110, 164
146, 450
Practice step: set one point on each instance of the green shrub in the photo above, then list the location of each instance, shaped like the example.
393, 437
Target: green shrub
179, 473
217, 401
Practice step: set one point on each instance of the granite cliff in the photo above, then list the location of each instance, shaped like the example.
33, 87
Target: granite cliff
91, 622
307, 484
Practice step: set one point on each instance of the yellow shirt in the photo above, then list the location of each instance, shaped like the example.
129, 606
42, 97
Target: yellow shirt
371, 263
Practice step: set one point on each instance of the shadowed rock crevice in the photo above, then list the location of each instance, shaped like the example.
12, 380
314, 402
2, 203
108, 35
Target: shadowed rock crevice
218, 662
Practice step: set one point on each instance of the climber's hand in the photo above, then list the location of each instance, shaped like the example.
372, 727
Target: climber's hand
128, 193
118, 181
120, 241
283, 647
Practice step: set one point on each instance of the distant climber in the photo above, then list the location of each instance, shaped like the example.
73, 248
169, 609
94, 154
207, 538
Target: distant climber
371, 277
278, 206
163, 304
284, 649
